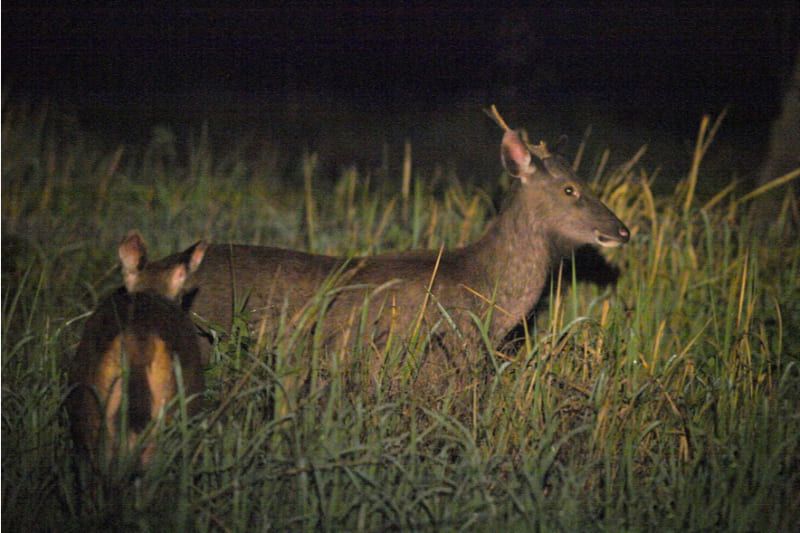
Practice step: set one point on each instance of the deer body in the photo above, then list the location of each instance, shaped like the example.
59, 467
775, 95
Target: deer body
142, 327
267, 277
550, 214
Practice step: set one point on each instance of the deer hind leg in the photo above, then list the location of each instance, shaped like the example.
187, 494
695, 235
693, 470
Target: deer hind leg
108, 383
161, 381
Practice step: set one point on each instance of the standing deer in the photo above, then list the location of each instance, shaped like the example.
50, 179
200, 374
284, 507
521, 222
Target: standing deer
140, 327
551, 213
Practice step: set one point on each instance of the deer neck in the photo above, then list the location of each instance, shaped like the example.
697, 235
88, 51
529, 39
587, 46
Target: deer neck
514, 257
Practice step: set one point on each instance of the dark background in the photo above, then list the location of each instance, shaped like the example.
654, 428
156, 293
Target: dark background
647, 67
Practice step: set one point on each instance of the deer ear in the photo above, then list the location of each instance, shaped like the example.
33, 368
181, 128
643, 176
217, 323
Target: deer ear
133, 257
517, 159
177, 275
175, 280
198, 253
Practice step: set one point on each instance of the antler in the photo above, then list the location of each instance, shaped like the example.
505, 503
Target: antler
540, 150
494, 114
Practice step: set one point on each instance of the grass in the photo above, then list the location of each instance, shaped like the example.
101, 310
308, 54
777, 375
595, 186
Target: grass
667, 402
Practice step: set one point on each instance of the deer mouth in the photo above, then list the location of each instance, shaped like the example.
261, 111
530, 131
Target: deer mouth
607, 241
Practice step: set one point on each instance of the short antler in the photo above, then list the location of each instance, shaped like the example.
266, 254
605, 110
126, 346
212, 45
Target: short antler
540, 150
494, 114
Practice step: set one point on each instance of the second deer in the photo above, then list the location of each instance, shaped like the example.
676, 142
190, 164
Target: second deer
140, 329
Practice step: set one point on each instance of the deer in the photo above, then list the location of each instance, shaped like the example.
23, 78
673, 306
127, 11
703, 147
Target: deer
499, 278
140, 327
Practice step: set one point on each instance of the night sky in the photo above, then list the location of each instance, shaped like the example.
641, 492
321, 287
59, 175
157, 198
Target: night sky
655, 63
613, 51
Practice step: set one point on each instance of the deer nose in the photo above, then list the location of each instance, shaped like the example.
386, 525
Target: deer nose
624, 233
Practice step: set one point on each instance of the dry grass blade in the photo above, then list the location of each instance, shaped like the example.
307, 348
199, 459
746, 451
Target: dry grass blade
704, 140
777, 182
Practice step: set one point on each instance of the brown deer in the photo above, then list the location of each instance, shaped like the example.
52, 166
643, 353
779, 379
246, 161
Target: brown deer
142, 327
551, 213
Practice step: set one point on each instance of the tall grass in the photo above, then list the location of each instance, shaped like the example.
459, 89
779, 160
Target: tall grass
667, 401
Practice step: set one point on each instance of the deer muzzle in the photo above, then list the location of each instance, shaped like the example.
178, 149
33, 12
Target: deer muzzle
612, 239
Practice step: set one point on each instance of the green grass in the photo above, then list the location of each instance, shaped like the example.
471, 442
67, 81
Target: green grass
668, 402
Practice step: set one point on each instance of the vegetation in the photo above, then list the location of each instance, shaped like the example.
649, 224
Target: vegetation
668, 401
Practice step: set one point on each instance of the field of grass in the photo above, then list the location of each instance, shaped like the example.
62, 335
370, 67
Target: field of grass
668, 401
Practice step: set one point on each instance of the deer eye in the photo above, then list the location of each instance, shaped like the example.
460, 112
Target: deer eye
569, 191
